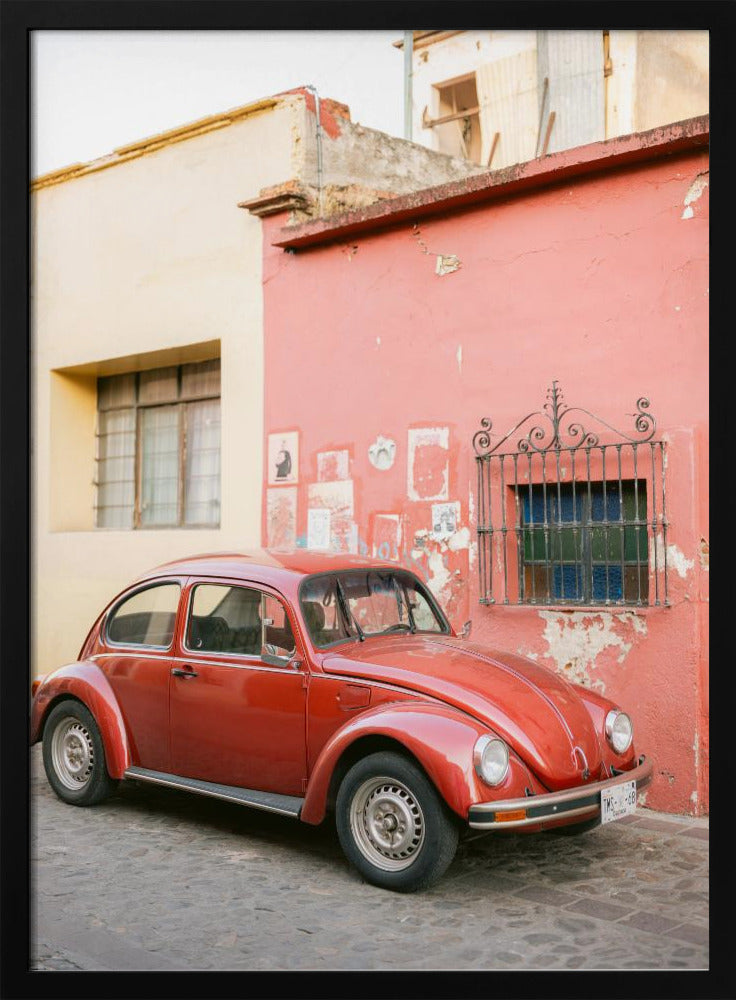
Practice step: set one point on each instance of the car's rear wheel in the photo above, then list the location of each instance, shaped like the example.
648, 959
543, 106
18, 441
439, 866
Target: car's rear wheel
73, 755
392, 824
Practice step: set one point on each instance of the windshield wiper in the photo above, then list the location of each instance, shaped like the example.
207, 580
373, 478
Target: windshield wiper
347, 613
409, 612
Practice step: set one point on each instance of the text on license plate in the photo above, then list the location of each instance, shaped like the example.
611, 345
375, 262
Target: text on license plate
618, 801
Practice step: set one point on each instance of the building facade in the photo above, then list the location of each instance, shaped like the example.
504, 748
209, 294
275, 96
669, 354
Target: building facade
502, 384
504, 97
147, 331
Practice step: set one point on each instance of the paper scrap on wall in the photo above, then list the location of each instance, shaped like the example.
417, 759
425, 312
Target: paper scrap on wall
318, 528
337, 497
386, 536
428, 467
333, 465
445, 517
283, 457
281, 517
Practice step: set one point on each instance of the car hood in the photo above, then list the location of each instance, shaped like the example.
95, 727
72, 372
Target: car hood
536, 711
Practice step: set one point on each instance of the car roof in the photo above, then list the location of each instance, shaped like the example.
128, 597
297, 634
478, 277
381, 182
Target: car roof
268, 565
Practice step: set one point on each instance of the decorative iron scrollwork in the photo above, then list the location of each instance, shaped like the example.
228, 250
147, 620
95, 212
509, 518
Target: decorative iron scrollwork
561, 429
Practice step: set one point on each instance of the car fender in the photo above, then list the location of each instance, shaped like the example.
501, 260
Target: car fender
85, 681
439, 737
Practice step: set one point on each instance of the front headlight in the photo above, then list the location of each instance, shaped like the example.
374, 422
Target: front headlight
491, 759
619, 731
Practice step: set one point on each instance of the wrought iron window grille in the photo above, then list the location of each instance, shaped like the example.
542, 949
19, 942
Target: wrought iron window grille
565, 518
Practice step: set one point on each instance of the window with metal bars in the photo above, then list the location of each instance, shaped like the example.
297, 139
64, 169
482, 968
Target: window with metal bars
567, 518
158, 448
584, 542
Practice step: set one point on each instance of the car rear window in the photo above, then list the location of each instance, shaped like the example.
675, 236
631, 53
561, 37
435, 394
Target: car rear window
146, 618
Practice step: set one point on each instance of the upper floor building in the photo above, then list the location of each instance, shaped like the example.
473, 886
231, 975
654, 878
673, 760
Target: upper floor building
504, 97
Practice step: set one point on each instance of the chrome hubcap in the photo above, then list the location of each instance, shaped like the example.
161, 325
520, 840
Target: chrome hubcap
73, 753
387, 823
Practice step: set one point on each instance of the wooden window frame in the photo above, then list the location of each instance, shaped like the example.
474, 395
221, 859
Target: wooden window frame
138, 408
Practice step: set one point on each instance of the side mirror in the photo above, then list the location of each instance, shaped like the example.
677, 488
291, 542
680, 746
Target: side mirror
466, 629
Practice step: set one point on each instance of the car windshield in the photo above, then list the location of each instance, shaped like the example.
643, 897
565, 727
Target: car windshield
359, 603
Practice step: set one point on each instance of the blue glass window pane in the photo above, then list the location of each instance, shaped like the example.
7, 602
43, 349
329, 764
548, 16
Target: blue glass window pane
605, 509
559, 508
614, 583
567, 582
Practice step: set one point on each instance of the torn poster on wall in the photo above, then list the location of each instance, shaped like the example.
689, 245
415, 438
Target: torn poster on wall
428, 466
333, 465
281, 517
318, 527
445, 517
283, 457
337, 497
386, 536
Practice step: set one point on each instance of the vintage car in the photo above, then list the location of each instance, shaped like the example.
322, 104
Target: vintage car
305, 683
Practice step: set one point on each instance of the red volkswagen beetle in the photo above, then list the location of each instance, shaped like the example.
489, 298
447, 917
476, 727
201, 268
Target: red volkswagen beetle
301, 683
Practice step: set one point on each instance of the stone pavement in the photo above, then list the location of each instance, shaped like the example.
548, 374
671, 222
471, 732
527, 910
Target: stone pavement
156, 879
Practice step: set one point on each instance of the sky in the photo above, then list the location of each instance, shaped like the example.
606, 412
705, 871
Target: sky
92, 91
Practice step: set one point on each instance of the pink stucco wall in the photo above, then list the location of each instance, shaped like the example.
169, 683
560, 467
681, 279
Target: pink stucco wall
599, 281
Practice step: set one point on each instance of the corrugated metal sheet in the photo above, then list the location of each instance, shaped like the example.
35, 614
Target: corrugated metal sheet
507, 96
573, 63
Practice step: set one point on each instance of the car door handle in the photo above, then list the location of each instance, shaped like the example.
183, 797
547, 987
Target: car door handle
177, 672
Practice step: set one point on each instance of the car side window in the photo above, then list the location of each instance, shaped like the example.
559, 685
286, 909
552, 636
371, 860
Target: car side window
240, 620
147, 618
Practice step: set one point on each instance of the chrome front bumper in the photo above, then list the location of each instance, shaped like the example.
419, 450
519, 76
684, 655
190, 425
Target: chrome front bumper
582, 802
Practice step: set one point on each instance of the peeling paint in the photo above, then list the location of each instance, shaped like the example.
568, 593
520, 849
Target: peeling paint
459, 356
637, 622
675, 558
575, 640
439, 574
704, 554
447, 263
693, 194
460, 540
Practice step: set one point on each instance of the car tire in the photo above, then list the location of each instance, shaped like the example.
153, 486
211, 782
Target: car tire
392, 825
73, 755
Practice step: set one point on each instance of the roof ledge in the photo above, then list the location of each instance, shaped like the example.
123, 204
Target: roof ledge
278, 198
610, 154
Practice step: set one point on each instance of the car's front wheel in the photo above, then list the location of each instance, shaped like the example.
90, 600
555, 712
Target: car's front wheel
73, 755
392, 824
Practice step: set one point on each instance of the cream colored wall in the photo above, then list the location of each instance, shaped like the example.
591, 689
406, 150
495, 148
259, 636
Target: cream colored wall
672, 77
658, 76
151, 255
455, 56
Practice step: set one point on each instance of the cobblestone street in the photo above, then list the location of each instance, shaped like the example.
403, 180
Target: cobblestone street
155, 879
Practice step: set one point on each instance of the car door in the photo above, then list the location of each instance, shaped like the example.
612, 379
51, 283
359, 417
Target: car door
237, 696
136, 650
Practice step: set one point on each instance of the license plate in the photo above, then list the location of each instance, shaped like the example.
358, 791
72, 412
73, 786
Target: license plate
618, 801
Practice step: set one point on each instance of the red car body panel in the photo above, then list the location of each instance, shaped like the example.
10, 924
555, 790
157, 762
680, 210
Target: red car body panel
284, 729
85, 681
533, 710
438, 736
